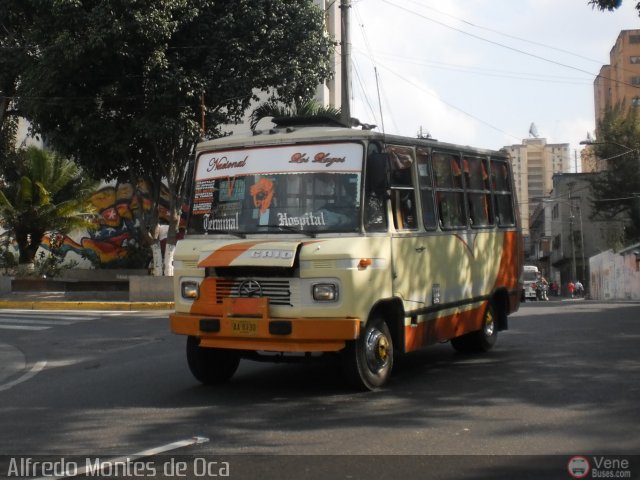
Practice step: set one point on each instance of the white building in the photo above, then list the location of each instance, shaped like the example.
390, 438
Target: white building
534, 163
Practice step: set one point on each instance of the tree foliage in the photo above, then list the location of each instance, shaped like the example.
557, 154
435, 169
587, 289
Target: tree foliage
609, 5
122, 86
307, 109
616, 190
50, 196
14, 22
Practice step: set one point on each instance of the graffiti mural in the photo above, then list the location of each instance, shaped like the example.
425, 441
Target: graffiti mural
115, 237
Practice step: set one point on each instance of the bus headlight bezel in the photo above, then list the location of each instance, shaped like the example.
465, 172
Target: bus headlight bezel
190, 290
325, 292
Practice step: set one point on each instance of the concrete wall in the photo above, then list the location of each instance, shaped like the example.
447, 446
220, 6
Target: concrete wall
5, 284
614, 276
106, 285
150, 289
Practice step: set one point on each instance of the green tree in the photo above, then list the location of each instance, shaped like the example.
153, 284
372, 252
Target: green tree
124, 86
306, 109
609, 5
616, 190
14, 22
50, 196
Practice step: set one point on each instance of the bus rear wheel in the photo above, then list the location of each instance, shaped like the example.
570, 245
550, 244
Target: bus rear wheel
368, 361
481, 340
211, 366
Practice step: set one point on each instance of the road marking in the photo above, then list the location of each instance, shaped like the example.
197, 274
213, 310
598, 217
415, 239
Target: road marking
127, 459
34, 321
38, 322
37, 368
23, 327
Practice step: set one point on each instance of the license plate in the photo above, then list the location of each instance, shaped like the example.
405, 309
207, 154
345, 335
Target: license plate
244, 327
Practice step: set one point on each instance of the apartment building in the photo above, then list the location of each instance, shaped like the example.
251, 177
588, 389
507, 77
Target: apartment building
619, 81
534, 163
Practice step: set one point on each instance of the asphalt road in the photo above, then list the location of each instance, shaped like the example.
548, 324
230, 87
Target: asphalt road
563, 381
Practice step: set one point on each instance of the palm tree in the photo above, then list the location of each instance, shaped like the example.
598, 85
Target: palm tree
50, 196
307, 109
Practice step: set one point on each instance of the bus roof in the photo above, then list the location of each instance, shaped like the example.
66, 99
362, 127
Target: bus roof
281, 135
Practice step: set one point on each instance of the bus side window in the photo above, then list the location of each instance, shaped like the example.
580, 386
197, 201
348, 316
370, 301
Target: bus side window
403, 199
375, 205
426, 189
501, 184
449, 192
404, 208
478, 193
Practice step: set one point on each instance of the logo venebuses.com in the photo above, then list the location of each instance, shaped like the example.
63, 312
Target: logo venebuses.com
599, 467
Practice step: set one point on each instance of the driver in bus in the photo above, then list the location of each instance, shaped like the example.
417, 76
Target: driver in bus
326, 187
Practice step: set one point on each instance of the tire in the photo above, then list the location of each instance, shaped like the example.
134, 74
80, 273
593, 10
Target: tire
211, 366
367, 362
481, 340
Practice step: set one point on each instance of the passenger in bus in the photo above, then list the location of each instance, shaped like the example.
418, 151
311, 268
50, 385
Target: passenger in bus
333, 198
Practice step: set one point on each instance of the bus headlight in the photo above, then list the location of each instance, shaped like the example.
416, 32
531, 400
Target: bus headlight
325, 292
190, 290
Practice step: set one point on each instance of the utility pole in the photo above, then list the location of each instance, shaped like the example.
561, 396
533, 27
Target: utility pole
573, 244
345, 64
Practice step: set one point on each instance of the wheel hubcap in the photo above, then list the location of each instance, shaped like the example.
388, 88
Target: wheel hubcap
489, 325
377, 350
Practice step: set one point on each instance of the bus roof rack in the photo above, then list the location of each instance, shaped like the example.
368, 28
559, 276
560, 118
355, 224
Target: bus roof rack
305, 121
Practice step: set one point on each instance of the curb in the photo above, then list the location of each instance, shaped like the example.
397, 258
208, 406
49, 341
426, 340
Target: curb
79, 305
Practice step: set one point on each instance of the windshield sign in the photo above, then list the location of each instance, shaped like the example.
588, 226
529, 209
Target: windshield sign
302, 188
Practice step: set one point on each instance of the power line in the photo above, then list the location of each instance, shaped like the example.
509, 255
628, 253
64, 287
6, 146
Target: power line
489, 72
450, 105
502, 45
526, 40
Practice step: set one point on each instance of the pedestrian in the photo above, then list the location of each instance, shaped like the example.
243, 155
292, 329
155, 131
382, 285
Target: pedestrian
571, 287
579, 288
554, 289
544, 286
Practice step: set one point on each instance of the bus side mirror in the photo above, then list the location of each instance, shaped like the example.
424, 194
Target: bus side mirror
378, 172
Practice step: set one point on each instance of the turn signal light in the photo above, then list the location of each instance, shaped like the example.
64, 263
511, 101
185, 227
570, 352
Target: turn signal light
364, 263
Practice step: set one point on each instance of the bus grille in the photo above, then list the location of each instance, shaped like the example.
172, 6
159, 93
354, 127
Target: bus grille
277, 291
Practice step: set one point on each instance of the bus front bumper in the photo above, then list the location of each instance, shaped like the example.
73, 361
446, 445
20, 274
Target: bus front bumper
267, 334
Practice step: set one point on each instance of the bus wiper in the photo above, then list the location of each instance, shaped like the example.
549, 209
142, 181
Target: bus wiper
289, 228
228, 232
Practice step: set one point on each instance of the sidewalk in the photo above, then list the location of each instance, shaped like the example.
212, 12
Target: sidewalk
77, 301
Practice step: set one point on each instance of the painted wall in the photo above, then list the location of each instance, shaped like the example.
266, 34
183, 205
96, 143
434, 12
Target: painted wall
116, 205
615, 276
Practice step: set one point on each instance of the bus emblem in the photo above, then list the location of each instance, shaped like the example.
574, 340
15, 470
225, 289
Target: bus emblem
250, 288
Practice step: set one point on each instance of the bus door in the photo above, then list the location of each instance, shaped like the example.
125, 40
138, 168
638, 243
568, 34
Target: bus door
408, 246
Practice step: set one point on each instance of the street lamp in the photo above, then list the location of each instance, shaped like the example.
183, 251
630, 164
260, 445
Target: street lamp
626, 149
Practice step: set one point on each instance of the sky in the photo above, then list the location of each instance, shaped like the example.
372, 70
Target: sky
480, 72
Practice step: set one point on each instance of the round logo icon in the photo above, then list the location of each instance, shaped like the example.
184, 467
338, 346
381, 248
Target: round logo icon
250, 288
578, 467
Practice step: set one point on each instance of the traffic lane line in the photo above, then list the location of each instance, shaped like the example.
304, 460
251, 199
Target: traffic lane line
97, 468
37, 368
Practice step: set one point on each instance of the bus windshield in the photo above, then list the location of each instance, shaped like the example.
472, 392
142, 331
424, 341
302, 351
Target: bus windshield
308, 188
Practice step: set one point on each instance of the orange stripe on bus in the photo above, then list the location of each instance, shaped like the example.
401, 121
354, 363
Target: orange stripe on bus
223, 256
508, 271
443, 328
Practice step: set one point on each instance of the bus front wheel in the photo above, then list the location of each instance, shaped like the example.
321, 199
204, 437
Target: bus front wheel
368, 361
481, 340
211, 365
